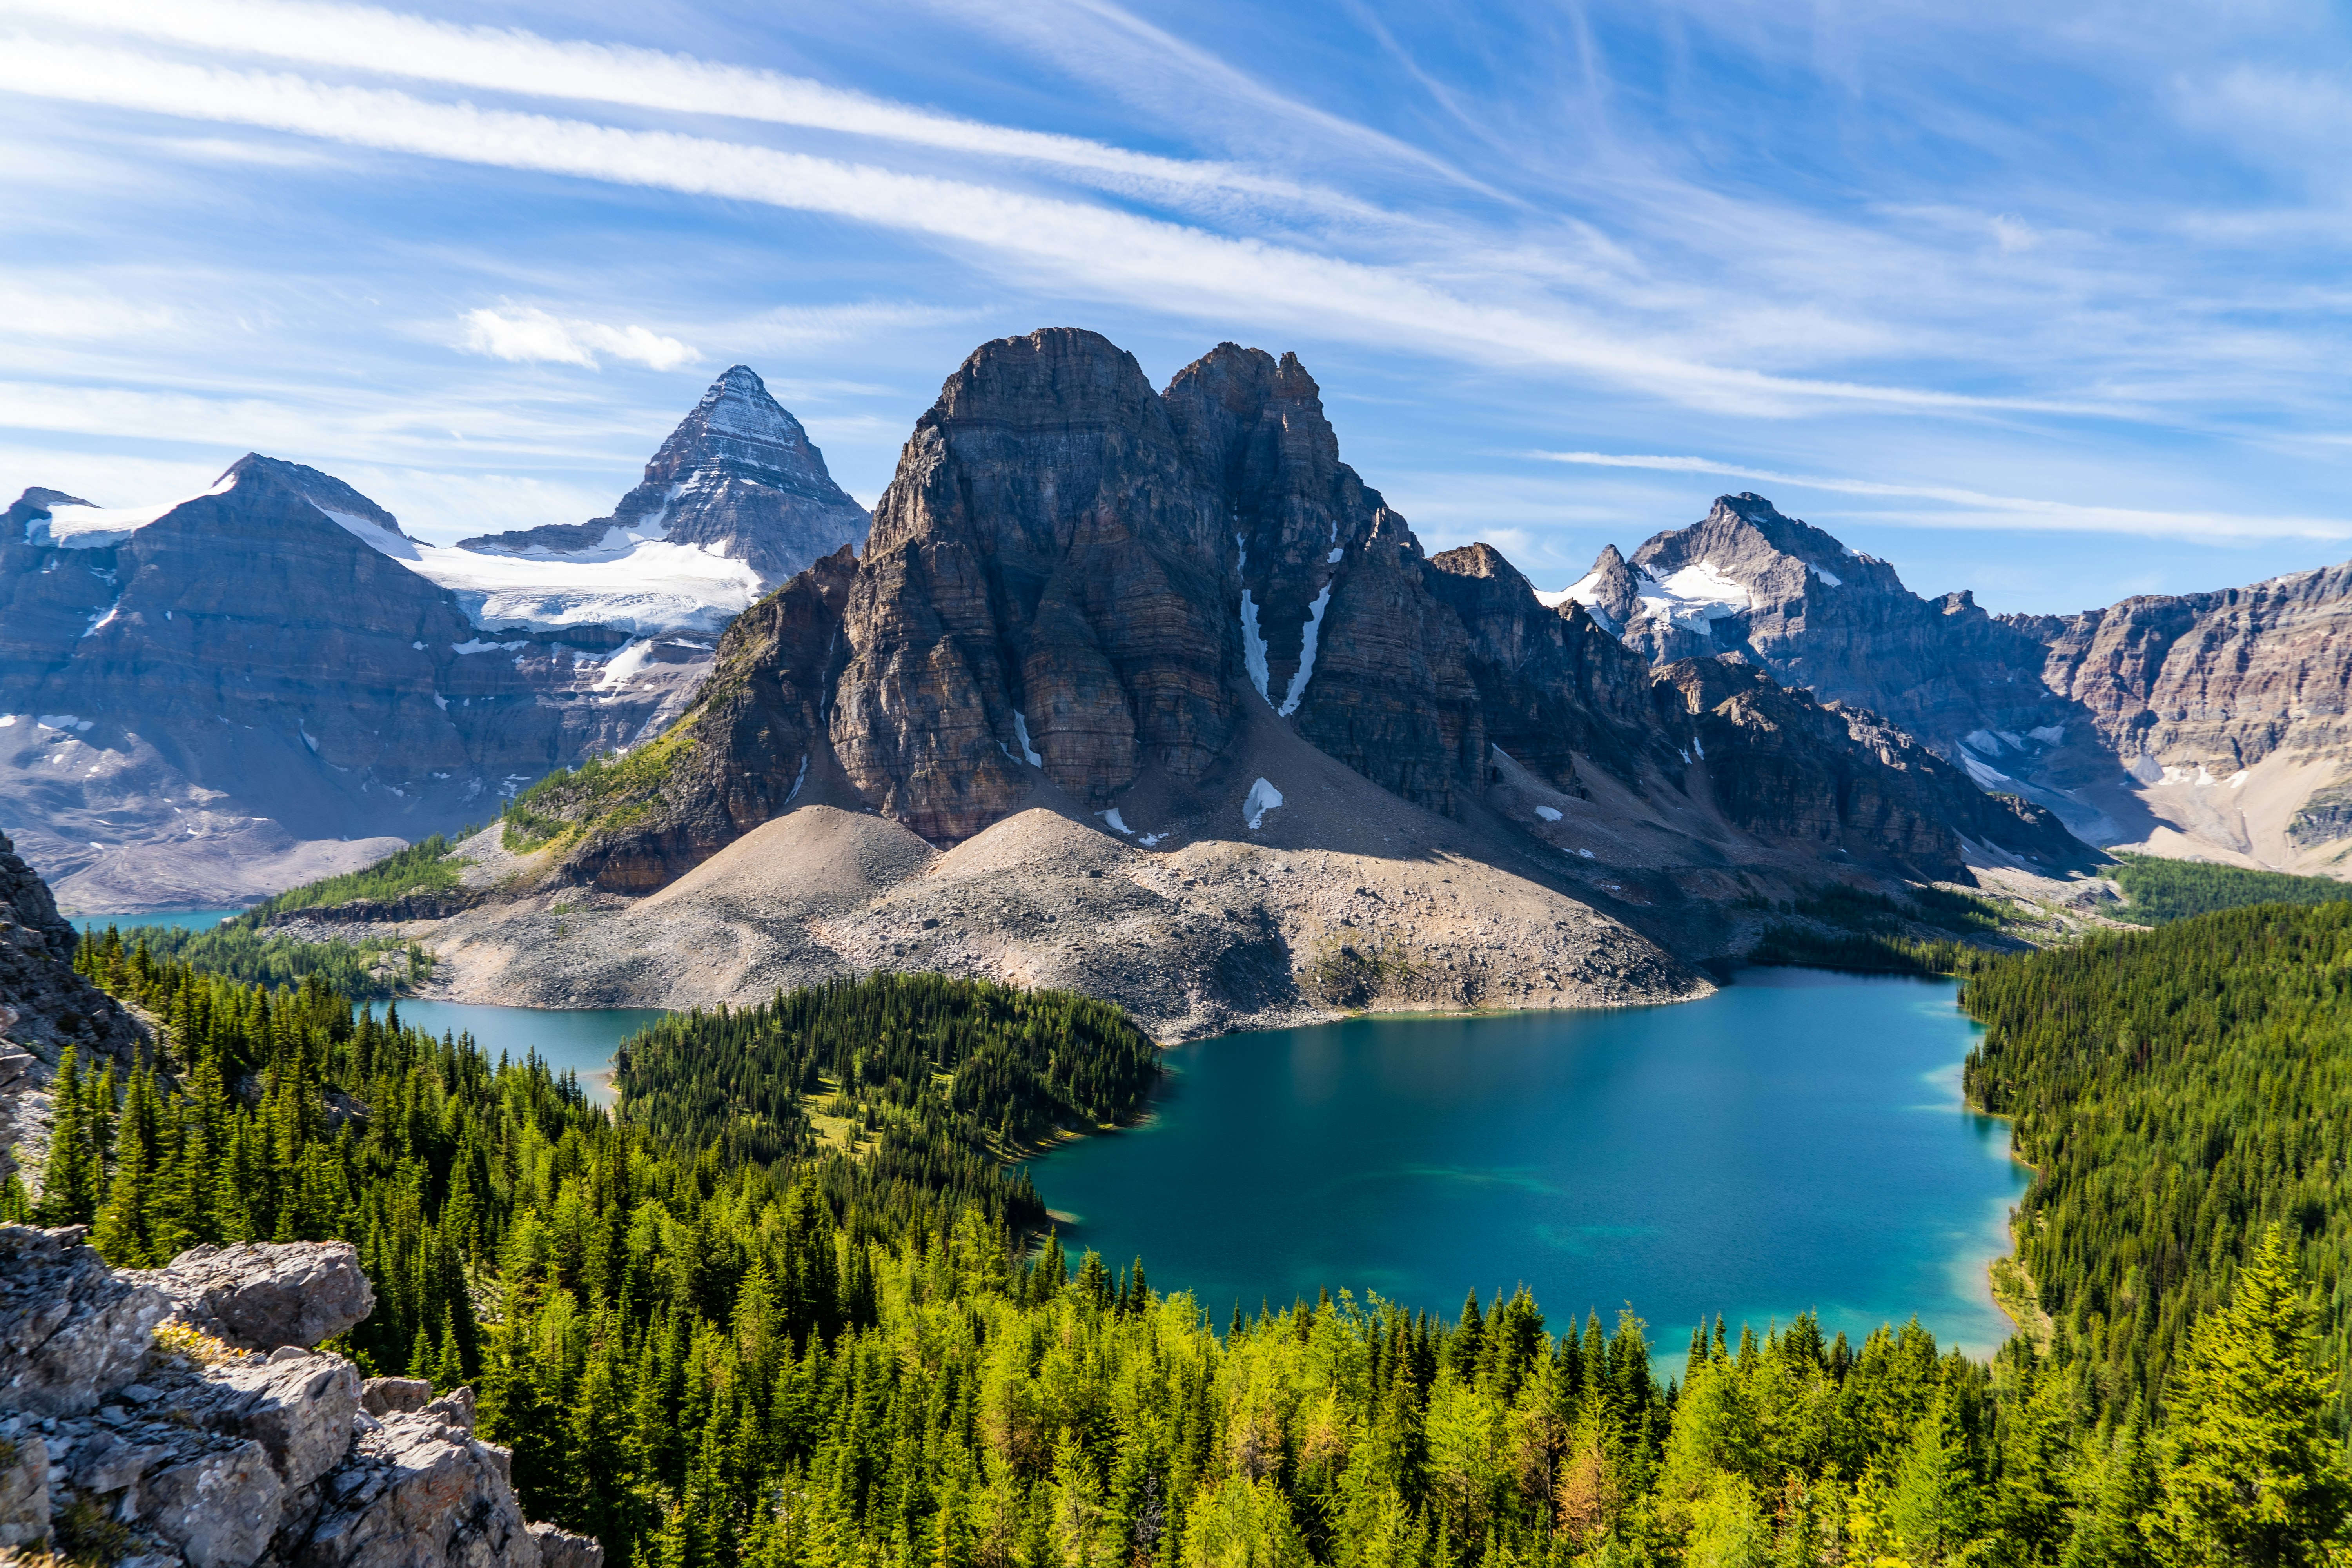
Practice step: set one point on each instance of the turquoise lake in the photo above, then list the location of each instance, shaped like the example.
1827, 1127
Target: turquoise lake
185, 920
578, 1040
1797, 1141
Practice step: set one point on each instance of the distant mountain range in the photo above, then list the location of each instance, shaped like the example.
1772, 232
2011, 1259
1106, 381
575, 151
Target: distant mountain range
203, 702
1148, 693
2211, 725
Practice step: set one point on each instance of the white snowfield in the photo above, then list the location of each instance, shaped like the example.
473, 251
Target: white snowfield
646, 585
1693, 598
634, 580
103, 527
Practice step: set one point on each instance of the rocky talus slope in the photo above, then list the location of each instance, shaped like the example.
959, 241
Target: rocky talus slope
229, 1440
738, 476
2208, 724
1148, 691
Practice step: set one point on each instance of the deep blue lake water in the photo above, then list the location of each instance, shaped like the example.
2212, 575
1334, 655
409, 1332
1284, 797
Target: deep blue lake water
1797, 1141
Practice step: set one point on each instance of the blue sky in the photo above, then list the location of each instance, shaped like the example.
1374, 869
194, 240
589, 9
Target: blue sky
2051, 302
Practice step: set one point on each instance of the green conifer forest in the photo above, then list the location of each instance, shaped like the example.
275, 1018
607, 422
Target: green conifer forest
786, 1309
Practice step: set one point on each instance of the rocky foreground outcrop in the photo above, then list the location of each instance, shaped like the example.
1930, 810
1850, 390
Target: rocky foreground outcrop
229, 1440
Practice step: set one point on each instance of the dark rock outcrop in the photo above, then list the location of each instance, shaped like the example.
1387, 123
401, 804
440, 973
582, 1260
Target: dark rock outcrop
738, 477
226, 1460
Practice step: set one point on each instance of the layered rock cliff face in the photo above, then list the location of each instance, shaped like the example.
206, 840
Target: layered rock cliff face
234, 1442
738, 477
2207, 723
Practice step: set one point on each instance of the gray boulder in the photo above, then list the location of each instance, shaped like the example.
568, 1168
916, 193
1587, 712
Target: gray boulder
24, 1490
562, 1549
299, 1406
262, 1294
73, 1331
416, 1490
394, 1396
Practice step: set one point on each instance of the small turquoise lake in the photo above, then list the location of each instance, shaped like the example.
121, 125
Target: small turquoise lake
1797, 1141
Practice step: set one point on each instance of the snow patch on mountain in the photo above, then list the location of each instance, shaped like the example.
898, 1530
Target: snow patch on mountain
72, 527
1693, 598
646, 585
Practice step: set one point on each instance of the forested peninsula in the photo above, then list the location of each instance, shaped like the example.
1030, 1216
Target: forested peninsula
777, 1312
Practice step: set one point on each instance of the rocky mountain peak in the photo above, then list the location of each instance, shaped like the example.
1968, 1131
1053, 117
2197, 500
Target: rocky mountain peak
38, 498
738, 425
738, 476
325, 491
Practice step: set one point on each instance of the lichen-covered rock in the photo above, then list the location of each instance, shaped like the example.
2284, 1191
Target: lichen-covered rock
417, 1490
218, 1504
562, 1549
23, 1489
263, 1294
297, 1405
394, 1396
71, 1331
245, 1459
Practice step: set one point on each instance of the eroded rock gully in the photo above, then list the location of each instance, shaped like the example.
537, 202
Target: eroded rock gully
235, 1442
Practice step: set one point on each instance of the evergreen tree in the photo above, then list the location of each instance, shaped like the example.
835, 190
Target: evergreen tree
2249, 1477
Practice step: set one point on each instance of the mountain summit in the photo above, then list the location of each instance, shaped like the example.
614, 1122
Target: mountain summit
739, 478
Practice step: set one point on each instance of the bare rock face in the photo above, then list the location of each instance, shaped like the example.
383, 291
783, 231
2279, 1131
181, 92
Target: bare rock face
71, 1331
261, 1295
1046, 564
418, 1489
738, 476
241, 1460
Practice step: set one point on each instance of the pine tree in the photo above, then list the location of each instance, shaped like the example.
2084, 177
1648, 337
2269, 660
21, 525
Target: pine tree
69, 1190
2250, 1477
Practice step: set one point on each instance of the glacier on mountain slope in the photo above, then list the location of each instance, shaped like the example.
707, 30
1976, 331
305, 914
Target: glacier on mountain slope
643, 585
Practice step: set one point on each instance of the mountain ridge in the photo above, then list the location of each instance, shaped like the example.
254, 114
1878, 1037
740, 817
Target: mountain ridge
1168, 641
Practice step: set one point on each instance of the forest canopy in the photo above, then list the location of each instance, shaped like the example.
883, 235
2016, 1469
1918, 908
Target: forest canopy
731, 1331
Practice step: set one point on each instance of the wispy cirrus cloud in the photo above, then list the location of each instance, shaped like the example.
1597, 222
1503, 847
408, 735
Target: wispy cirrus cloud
1112, 252
1988, 510
524, 333
513, 61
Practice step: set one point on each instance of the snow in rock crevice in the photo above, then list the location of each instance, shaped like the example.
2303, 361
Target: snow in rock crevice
1337, 555
1263, 797
1253, 644
1021, 732
475, 644
1986, 777
1117, 823
798, 779
1548, 813
2048, 734
1291, 697
1832, 578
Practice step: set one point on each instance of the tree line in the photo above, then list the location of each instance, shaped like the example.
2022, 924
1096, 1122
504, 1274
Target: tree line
716, 1353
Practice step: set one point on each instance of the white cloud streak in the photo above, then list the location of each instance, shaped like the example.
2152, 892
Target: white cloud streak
510, 60
1993, 510
526, 334
1116, 255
